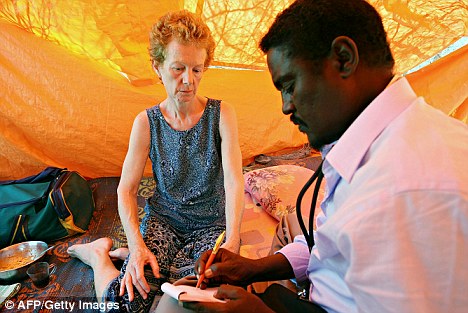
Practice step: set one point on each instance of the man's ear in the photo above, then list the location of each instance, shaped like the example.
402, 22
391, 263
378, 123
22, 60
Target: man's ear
345, 53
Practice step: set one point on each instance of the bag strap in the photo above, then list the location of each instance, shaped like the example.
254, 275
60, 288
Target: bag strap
46, 175
19, 230
32, 201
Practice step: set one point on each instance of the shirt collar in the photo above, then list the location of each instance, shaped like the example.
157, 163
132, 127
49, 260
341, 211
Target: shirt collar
346, 155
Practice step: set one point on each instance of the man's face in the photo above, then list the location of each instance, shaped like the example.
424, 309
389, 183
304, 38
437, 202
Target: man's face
313, 95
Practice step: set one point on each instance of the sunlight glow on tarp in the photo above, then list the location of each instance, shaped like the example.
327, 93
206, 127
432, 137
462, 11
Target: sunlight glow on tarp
115, 32
74, 74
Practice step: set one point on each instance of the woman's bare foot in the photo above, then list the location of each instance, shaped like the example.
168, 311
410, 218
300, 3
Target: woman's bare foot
119, 254
90, 253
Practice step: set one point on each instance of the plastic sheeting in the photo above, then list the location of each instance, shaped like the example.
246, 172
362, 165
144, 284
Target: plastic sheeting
63, 110
74, 74
115, 32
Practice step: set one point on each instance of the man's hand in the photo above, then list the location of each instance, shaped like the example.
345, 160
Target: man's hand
233, 269
237, 300
227, 268
187, 280
135, 274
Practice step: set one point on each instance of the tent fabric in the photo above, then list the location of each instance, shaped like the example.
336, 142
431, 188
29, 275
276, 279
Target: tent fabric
60, 109
115, 32
444, 84
74, 74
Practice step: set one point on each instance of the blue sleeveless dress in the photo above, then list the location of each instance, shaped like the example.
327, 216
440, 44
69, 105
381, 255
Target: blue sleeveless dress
187, 169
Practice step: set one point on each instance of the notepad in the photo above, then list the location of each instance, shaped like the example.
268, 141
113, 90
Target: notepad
189, 293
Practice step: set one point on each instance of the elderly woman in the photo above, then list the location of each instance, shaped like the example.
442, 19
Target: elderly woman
192, 142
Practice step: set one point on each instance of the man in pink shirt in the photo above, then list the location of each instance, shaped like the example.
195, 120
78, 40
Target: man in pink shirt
393, 232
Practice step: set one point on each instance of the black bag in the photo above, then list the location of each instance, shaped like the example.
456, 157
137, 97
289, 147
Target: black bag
51, 205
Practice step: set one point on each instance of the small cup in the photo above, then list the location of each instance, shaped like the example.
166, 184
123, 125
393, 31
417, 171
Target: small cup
40, 273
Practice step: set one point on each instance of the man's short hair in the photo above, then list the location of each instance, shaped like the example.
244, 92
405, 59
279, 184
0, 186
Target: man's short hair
307, 29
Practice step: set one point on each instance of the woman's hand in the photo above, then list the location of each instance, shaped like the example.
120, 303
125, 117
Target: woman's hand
135, 273
238, 300
232, 245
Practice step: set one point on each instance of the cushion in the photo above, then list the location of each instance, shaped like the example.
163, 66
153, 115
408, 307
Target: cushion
256, 241
276, 188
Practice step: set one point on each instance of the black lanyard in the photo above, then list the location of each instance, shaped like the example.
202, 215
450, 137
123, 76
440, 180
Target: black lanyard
309, 235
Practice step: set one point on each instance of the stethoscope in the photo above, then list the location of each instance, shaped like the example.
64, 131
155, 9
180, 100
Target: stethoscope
309, 235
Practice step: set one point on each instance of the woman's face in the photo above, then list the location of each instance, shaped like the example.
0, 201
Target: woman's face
182, 71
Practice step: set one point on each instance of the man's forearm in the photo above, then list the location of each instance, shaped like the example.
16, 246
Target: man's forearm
273, 267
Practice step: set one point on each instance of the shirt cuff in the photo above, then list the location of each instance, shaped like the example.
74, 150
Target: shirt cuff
298, 255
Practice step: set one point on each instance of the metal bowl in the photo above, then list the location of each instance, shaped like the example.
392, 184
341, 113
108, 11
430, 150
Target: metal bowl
15, 259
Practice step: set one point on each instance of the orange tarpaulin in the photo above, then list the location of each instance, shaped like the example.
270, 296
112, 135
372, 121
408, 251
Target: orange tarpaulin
115, 32
61, 109
74, 74
444, 84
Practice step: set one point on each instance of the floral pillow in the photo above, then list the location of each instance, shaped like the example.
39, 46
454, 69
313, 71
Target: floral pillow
276, 188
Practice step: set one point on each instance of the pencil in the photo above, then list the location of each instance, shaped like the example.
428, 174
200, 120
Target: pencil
212, 256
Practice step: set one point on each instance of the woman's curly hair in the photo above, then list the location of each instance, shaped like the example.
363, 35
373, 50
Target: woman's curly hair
184, 26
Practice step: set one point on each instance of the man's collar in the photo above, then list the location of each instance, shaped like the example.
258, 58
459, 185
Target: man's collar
346, 155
